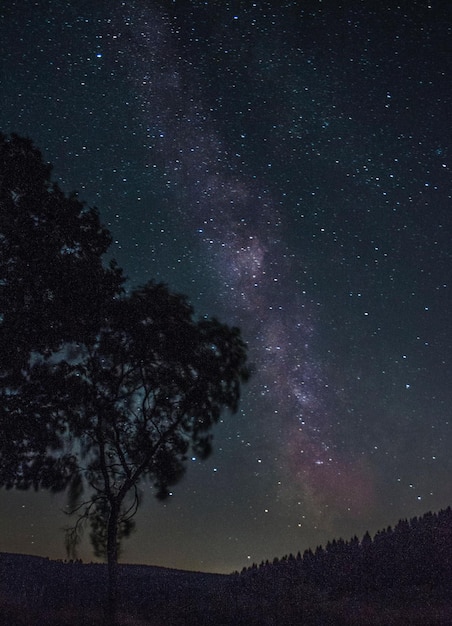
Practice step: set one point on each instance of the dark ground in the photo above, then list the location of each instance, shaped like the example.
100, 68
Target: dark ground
36, 591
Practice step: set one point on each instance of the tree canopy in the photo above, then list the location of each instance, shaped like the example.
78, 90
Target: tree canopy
54, 288
101, 389
147, 391
54, 284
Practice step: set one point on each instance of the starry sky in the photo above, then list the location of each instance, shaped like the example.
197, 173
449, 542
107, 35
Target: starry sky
287, 166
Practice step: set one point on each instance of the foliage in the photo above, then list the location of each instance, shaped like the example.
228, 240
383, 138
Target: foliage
145, 392
415, 553
54, 288
101, 390
53, 284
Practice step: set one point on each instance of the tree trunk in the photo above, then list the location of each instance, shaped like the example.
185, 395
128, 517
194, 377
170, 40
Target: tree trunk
112, 561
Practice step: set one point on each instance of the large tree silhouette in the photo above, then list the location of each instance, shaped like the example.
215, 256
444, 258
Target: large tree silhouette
115, 389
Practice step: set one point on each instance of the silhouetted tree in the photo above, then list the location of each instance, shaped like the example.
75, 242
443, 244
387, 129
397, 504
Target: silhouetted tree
111, 390
145, 392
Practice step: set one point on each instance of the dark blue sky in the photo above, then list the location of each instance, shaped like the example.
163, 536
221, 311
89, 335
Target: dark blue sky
288, 169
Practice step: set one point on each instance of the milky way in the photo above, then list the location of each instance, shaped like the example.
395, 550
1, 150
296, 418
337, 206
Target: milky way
242, 232
287, 167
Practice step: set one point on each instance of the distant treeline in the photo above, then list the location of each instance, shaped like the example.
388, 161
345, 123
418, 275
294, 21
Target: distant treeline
402, 575
416, 552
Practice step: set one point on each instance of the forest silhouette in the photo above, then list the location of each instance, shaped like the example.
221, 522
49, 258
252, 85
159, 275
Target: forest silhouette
401, 575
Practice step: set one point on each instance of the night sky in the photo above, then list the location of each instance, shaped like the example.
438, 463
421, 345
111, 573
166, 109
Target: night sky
287, 166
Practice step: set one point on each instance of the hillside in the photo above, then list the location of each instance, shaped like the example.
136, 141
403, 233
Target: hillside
403, 575
400, 576
73, 592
